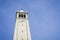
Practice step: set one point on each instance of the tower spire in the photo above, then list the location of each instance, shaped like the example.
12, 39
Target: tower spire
21, 10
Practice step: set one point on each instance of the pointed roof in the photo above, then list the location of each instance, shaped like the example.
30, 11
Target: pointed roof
21, 10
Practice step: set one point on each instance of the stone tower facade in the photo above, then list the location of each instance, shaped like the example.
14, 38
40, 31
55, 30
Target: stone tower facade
22, 30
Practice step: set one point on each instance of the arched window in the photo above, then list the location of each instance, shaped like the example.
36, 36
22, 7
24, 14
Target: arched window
24, 16
19, 15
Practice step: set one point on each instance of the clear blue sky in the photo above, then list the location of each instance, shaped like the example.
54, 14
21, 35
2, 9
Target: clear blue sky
44, 18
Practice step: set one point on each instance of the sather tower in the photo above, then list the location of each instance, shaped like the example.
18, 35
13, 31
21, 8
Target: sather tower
22, 30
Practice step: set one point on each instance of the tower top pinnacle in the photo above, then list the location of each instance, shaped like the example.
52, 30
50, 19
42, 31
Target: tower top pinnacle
21, 10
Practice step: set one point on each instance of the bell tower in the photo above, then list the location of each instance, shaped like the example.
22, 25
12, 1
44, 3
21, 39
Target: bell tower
22, 30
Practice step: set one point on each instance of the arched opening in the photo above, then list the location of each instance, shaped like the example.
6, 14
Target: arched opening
24, 16
21, 15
